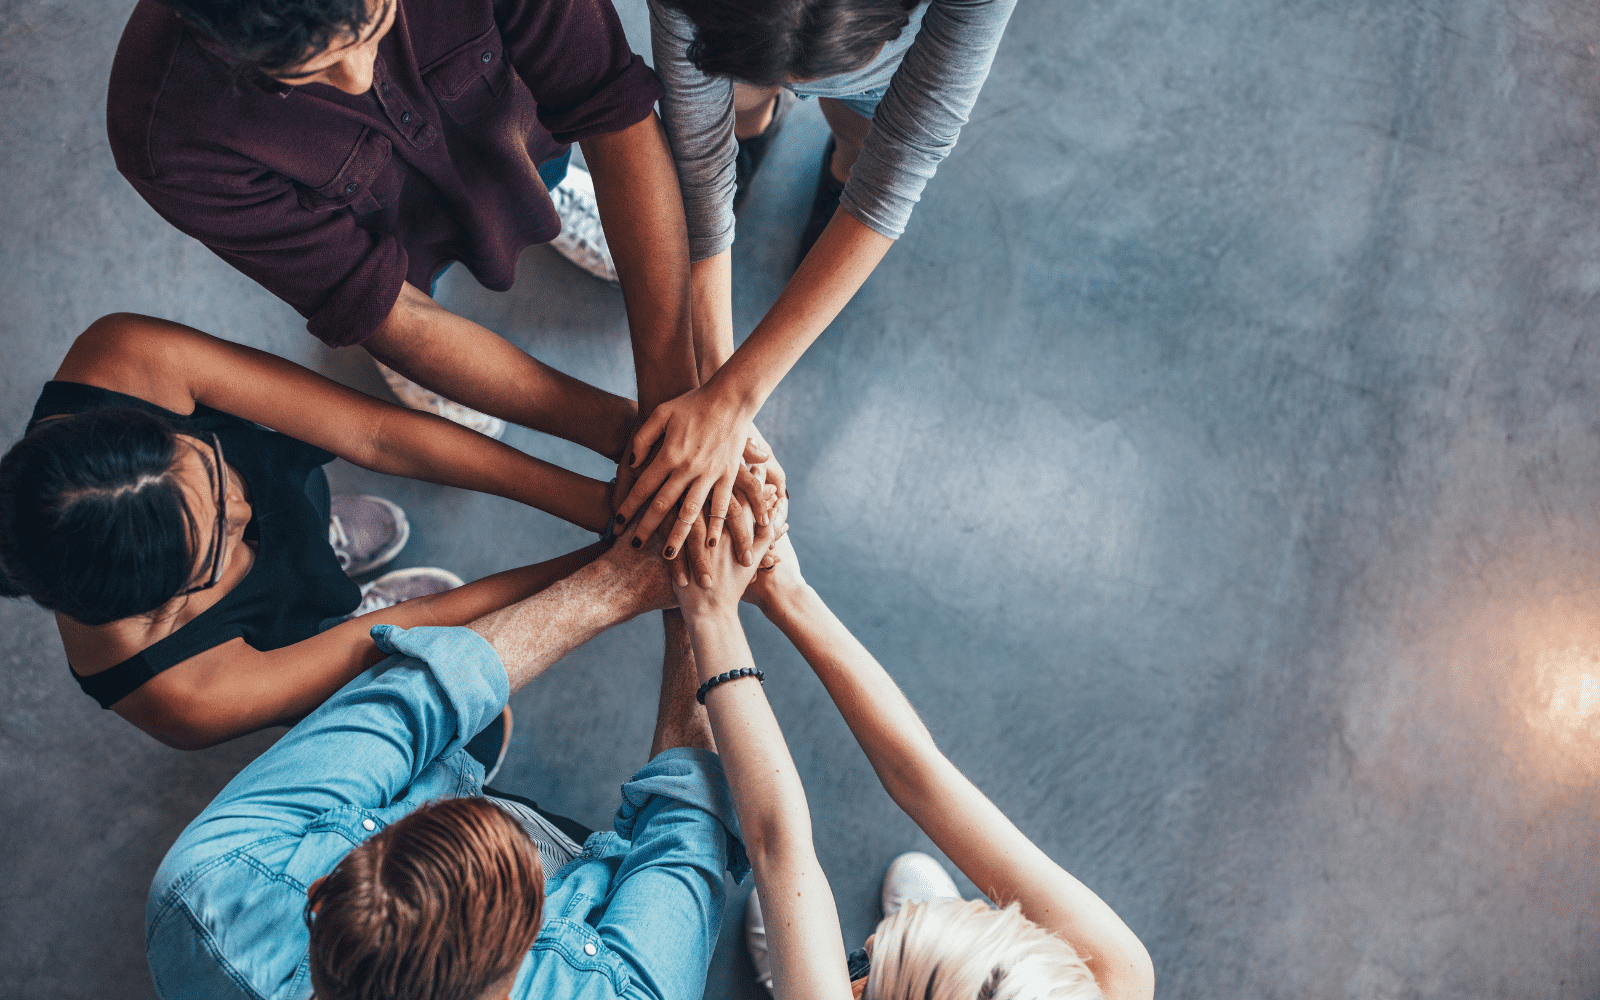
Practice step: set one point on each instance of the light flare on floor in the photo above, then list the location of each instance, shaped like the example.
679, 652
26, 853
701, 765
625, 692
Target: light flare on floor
1565, 704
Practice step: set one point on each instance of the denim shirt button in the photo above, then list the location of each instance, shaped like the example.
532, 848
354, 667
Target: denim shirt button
588, 949
368, 824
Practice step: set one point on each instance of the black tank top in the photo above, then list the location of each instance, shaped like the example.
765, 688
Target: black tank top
295, 583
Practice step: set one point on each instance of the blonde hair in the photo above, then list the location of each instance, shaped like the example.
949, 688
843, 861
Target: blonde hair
952, 949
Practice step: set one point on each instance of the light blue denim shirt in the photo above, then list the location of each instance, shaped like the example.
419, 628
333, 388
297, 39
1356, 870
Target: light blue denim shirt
636, 915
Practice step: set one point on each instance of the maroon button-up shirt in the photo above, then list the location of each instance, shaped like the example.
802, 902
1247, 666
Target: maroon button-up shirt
330, 200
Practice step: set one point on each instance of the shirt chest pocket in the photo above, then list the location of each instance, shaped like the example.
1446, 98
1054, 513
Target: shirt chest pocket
368, 180
471, 79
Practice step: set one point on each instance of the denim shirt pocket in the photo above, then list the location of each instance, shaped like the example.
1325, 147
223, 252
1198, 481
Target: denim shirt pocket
471, 78
582, 950
363, 183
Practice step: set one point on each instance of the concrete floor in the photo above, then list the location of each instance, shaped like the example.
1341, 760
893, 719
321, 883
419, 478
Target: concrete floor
1213, 462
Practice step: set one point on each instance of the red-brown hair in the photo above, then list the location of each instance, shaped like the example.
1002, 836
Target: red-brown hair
439, 906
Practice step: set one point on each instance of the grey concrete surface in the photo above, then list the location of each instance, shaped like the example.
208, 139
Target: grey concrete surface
1213, 462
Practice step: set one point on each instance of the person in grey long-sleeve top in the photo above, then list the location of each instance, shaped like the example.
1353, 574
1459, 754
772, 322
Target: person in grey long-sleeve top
896, 80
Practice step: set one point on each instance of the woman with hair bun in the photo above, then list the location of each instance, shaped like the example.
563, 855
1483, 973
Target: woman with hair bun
1051, 937
168, 504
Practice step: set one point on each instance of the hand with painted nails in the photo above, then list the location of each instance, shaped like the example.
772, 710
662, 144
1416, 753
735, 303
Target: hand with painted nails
703, 452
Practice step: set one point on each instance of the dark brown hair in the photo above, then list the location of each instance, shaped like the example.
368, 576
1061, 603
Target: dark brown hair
439, 906
767, 42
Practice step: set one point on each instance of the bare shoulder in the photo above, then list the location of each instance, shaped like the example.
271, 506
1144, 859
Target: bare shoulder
132, 354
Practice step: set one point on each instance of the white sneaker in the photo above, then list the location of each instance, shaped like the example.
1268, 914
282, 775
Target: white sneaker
755, 939
402, 585
418, 398
582, 239
366, 532
913, 876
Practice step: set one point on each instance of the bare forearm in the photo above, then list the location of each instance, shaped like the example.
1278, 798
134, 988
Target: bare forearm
533, 634
712, 284
422, 446
802, 921
842, 260
465, 362
636, 187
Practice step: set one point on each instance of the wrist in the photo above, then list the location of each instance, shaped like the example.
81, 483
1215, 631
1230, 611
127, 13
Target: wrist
789, 605
734, 396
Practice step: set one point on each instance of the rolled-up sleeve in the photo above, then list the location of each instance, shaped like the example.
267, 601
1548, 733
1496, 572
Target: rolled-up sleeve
575, 59
919, 120
665, 907
343, 279
697, 111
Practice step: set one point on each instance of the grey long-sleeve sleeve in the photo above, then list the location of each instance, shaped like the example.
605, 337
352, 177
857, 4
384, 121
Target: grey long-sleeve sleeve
919, 120
697, 111
930, 95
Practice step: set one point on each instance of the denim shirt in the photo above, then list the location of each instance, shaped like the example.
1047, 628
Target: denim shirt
626, 918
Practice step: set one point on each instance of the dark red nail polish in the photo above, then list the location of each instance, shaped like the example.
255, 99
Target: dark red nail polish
668, 553
621, 519
637, 543
711, 543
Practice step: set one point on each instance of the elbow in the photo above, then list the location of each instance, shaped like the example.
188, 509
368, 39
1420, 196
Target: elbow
773, 844
182, 721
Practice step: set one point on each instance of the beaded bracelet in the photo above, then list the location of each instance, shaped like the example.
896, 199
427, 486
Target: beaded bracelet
731, 675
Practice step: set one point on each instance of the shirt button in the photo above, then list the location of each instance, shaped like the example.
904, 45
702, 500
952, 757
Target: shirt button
351, 189
367, 824
405, 118
383, 88
488, 57
588, 949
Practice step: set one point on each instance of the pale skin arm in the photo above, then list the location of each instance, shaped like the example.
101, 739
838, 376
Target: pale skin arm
175, 367
703, 433
807, 947
988, 848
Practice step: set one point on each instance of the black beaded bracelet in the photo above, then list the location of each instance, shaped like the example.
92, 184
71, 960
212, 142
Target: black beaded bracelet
731, 675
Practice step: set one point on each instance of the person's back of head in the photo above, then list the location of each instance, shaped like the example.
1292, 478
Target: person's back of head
442, 905
965, 950
92, 521
766, 42
273, 34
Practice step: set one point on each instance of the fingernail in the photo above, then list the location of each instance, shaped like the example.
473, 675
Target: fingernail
711, 543
746, 560
683, 580
705, 580
637, 543
621, 520
668, 552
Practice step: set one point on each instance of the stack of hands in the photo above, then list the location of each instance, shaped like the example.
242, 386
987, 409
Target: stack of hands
664, 498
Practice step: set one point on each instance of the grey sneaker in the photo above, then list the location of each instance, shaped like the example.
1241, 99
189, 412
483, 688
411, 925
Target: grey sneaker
418, 398
402, 585
755, 938
912, 876
582, 239
366, 532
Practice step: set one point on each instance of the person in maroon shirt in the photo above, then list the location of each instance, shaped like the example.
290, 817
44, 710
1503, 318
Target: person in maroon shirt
344, 159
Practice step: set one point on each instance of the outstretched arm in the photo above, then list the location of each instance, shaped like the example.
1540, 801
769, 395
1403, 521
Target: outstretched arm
988, 848
175, 367
803, 933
